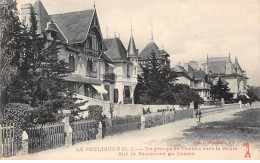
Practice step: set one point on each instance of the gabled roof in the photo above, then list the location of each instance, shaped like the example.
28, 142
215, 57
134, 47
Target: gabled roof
181, 70
190, 69
44, 21
199, 75
147, 51
74, 25
218, 65
42, 14
115, 50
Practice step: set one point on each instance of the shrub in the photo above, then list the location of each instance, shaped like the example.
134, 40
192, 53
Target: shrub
19, 115
95, 113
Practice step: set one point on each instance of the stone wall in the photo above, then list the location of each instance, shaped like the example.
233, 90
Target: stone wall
120, 110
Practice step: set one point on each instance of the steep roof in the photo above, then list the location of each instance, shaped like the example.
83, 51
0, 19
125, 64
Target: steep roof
181, 70
42, 15
218, 65
74, 25
115, 50
199, 75
147, 51
132, 52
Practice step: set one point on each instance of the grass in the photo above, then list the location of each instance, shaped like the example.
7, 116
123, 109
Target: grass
245, 126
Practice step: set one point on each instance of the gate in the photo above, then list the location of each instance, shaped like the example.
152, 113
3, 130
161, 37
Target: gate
8, 144
83, 130
44, 137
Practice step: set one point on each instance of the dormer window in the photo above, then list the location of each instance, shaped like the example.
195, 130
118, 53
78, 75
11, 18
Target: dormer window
53, 35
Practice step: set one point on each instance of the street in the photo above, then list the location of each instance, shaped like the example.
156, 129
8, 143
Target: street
136, 144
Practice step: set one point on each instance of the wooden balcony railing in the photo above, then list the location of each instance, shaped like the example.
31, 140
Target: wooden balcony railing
91, 74
109, 77
127, 100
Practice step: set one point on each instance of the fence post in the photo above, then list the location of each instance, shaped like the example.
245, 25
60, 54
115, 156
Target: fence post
67, 128
24, 150
99, 135
142, 122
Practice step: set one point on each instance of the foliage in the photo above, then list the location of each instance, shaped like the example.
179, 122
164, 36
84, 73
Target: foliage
252, 93
250, 98
39, 81
188, 96
156, 86
19, 115
155, 80
95, 113
220, 90
12, 44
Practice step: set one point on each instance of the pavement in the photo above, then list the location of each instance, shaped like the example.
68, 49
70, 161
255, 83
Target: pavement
120, 146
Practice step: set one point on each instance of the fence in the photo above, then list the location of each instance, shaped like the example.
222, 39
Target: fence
182, 114
83, 131
160, 118
212, 103
122, 124
8, 143
44, 137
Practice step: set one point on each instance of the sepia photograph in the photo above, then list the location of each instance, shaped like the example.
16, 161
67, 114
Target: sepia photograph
130, 80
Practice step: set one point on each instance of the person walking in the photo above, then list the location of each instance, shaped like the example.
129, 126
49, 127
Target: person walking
197, 112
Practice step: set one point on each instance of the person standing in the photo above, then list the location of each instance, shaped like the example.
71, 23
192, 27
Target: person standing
200, 115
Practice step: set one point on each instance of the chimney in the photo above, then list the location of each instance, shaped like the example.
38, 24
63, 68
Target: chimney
25, 13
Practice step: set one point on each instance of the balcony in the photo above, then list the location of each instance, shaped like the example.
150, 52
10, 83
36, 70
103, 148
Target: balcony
109, 77
92, 74
127, 100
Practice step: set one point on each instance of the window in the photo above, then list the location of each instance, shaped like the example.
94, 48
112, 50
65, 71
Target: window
127, 92
73, 87
72, 63
89, 65
107, 96
89, 43
127, 71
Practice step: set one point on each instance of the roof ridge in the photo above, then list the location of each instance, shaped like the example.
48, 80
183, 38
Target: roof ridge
72, 12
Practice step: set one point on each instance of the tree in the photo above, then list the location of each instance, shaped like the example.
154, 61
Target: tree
40, 78
220, 90
154, 82
183, 95
251, 92
12, 44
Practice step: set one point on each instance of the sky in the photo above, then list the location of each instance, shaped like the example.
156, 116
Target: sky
186, 29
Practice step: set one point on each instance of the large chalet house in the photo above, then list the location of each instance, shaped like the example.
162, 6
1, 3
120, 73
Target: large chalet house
145, 55
194, 77
119, 62
230, 71
101, 69
219, 68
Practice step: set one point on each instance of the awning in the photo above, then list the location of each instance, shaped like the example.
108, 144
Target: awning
111, 65
100, 89
247, 96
